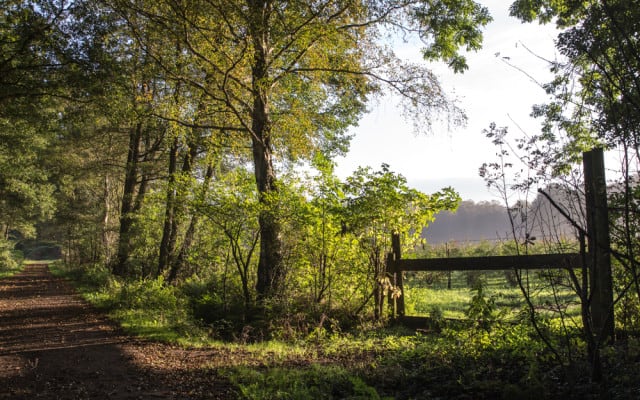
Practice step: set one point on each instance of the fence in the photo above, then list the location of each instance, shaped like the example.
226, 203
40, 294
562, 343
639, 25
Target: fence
596, 259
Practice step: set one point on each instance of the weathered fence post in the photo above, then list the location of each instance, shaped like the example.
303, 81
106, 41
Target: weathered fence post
390, 271
599, 257
398, 309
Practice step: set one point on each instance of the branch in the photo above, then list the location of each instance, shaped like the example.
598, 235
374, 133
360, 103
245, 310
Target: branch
563, 212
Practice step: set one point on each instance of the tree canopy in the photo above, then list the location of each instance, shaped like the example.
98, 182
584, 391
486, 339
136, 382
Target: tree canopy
596, 85
133, 118
286, 80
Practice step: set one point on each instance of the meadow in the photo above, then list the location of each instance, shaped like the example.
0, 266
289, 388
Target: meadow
450, 295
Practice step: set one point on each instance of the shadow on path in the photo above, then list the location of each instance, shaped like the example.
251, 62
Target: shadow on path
55, 346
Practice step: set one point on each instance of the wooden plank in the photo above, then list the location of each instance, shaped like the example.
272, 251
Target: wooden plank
493, 263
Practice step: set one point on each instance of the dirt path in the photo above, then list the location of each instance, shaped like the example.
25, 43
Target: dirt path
54, 346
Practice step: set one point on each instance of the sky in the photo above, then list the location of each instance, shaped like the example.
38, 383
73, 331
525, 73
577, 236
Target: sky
490, 91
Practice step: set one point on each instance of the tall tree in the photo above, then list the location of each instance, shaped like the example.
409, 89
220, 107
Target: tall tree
289, 78
595, 103
596, 95
143, 91
33, 54
596, 83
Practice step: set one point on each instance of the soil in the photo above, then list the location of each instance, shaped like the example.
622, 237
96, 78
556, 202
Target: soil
53, 345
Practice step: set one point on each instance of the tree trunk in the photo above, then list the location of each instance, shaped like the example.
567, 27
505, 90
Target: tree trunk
378, 288
179, 261
187, 168
106, 230
121, 267
169, 215
107, 238
270, 266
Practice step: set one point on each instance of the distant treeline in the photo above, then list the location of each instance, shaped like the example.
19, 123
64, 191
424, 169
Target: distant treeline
472, 221
489, 220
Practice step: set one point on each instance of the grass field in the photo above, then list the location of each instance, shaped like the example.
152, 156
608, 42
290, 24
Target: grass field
426, 292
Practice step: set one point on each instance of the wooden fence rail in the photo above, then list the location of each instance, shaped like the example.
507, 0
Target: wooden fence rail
596, 260
492, 263
396, 266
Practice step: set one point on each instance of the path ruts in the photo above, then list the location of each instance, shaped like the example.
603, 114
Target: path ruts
55, 346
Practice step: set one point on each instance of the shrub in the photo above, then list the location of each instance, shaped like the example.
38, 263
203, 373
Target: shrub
10, 259
148, 294
482, 309
224, 317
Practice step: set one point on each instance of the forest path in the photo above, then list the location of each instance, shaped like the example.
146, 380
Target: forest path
53, 345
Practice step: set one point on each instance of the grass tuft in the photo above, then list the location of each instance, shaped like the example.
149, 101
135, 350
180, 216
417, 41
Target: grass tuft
308, 383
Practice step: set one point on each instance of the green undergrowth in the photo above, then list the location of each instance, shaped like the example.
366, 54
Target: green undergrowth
507, 363
310, 383
7, 270
10, 259
482, 359
143, 307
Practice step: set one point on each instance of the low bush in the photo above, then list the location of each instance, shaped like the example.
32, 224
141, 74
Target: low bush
10, 259
146, 307
150, 308
222, 314
148, 295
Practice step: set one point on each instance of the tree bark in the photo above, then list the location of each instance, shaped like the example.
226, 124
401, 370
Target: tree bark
270, 276
121, 267
180, 200
107, 236
179, 261
169, 215
270, 269
106, 231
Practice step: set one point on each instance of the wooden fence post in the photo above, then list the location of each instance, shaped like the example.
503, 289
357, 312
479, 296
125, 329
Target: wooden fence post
397, 276
599, 257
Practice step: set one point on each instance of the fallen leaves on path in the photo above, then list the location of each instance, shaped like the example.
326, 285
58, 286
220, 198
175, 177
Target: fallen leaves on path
55, 346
